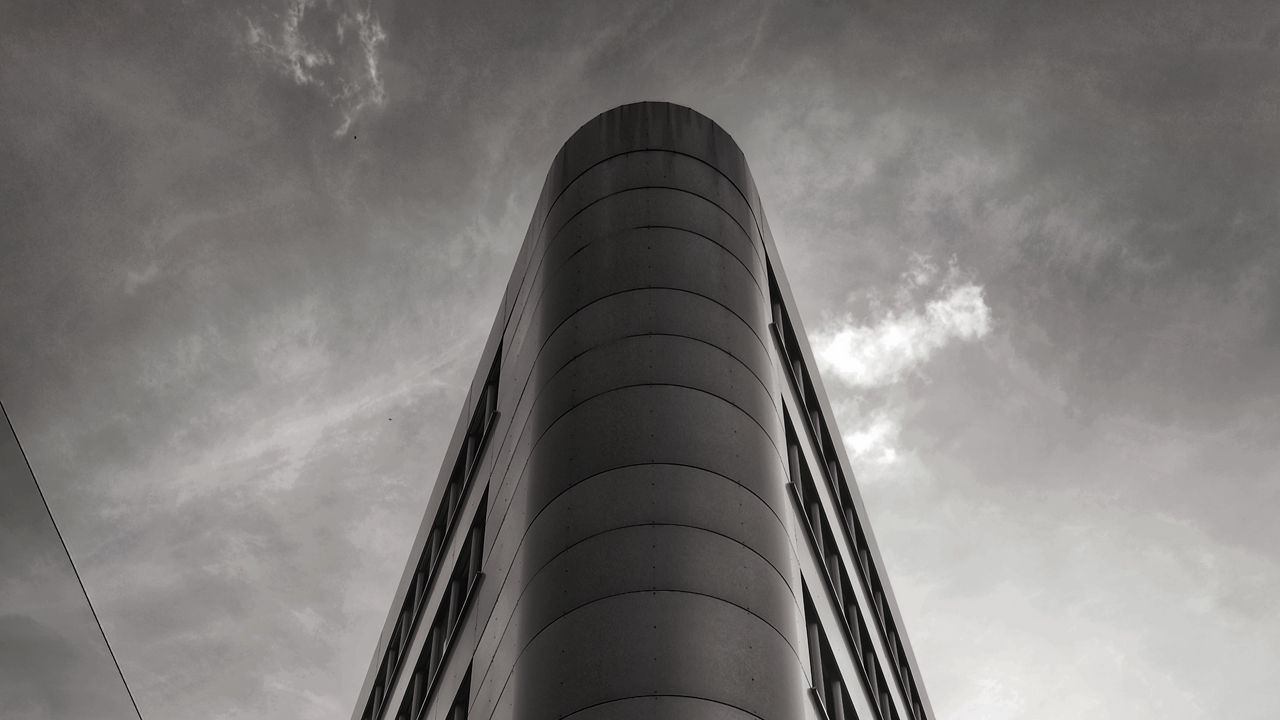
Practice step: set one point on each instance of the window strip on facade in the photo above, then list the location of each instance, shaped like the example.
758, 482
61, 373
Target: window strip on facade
831, 473
448, 617
828, 683
463, 471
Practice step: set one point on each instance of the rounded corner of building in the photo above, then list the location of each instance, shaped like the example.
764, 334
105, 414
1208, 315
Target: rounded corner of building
651, 125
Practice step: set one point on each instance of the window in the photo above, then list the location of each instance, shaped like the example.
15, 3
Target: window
462, 580
822, 533
464, 469
828, 684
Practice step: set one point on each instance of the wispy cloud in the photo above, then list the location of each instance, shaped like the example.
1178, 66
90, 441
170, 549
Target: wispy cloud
135, 279
904, 337
331, 47
289, 48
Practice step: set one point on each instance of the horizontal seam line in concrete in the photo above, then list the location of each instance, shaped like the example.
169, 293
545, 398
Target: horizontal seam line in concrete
637, 151
660, 695
672, 151
618, 234
519, 479
541, 296
518, 435
751, 242
602, 473
615, 596
515, 607
543, 242
528, 378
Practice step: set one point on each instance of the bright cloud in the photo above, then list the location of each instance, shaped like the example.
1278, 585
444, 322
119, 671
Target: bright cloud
904, 337
312, 43
929, 308
875, 441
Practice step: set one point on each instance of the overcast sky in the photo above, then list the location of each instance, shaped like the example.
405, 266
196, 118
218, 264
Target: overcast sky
250, 251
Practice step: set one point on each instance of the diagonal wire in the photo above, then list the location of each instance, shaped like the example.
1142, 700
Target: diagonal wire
74, 569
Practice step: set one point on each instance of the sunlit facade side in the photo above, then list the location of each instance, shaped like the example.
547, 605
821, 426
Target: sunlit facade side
645, 509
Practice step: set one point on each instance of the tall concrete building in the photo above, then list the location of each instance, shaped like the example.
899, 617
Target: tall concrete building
645, 510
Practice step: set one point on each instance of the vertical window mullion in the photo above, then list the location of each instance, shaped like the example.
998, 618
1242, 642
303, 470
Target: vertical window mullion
419, 589
490, 404
455, 602
836, 709
834, 570
437, 649
418, 696
815, 654
473, 451
453, 493
436, 544
815, 521
475, 552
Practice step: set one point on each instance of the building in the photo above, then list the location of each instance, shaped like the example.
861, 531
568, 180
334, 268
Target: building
645, 510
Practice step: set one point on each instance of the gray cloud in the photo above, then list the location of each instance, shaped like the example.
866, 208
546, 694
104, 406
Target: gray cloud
212, 306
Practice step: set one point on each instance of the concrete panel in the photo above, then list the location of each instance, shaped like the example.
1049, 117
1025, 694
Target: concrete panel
659, 360
630, 320
653, 169
650, 126
651, 643
617, 319
634, 215
647, 707
621, 261
658, 170
644, 557
655, 423
630, 497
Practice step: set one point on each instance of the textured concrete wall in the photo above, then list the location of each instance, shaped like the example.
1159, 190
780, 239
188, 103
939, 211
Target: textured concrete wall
638, 558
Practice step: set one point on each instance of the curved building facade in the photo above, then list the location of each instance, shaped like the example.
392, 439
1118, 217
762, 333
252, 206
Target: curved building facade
646, 511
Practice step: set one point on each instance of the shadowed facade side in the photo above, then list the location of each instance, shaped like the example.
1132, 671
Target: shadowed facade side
628, 523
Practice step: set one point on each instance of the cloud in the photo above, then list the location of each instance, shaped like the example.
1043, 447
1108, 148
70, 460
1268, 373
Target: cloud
290, 49
135, 279
904, 337
875, 441
331, 48
929, 308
